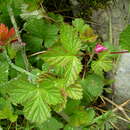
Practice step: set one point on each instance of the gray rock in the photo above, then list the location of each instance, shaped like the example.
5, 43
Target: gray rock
120, 17
122, 80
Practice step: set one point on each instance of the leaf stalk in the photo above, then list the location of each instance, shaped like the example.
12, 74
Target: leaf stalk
11, 14
17, 67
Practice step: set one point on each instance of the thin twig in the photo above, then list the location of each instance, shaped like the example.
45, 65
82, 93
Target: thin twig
123, 119
122, 105
9, 126
63, 10
114, 126
37, 53
103, 100
99, 109
91, 58
110, 101
44, 14
119, 107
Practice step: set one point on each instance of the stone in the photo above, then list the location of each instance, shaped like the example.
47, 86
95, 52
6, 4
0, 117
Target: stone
122, 80
113, 20
119, 15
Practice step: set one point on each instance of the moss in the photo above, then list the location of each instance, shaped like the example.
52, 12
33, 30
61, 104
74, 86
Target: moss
85, 7
89, 5
95, 4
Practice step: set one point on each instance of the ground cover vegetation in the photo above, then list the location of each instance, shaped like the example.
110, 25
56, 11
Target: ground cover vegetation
53, 70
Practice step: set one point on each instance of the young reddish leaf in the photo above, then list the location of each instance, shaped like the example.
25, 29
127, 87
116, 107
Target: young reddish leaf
6, 34
11, 32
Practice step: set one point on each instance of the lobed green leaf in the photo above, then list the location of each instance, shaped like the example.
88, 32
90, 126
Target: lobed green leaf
75, 91
70, 39
125, 38
43, 30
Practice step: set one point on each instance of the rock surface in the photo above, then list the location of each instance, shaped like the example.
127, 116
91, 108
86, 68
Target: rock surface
119, 15
122, 80
109, 23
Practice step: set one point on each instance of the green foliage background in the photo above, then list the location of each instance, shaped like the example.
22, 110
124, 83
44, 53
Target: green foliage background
59, 84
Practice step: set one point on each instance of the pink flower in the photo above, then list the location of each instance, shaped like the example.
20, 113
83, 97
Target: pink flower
99, 48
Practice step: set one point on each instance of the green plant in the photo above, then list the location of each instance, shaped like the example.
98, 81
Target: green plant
50, 73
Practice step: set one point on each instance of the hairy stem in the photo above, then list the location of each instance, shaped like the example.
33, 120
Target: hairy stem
17, 67
11, 14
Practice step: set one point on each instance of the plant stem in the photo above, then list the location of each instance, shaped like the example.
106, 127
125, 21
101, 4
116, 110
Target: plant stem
64, 116
86, 64
122, 105
119, 52
17, 67
37, 53
114, 126
91, 58
11, 14
121, 118
119, 107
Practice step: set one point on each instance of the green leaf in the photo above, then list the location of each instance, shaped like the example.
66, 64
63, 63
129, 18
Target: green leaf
51, 92
6, 110
20, 90
4, 73
104, 63
70, 39
43, 30
80, 25
68, 127
104, 120
57, 17
90, 116
51, 124
27, 14
33, 4
35, 97
4, 69
15, 4
11, 51
58, 57
74, 91
64, 56
78, 118
59, 107
124, 38
36, 110
72, 106
19, 61
92, 87
72, 70
33, 44
86, 32
82, 117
